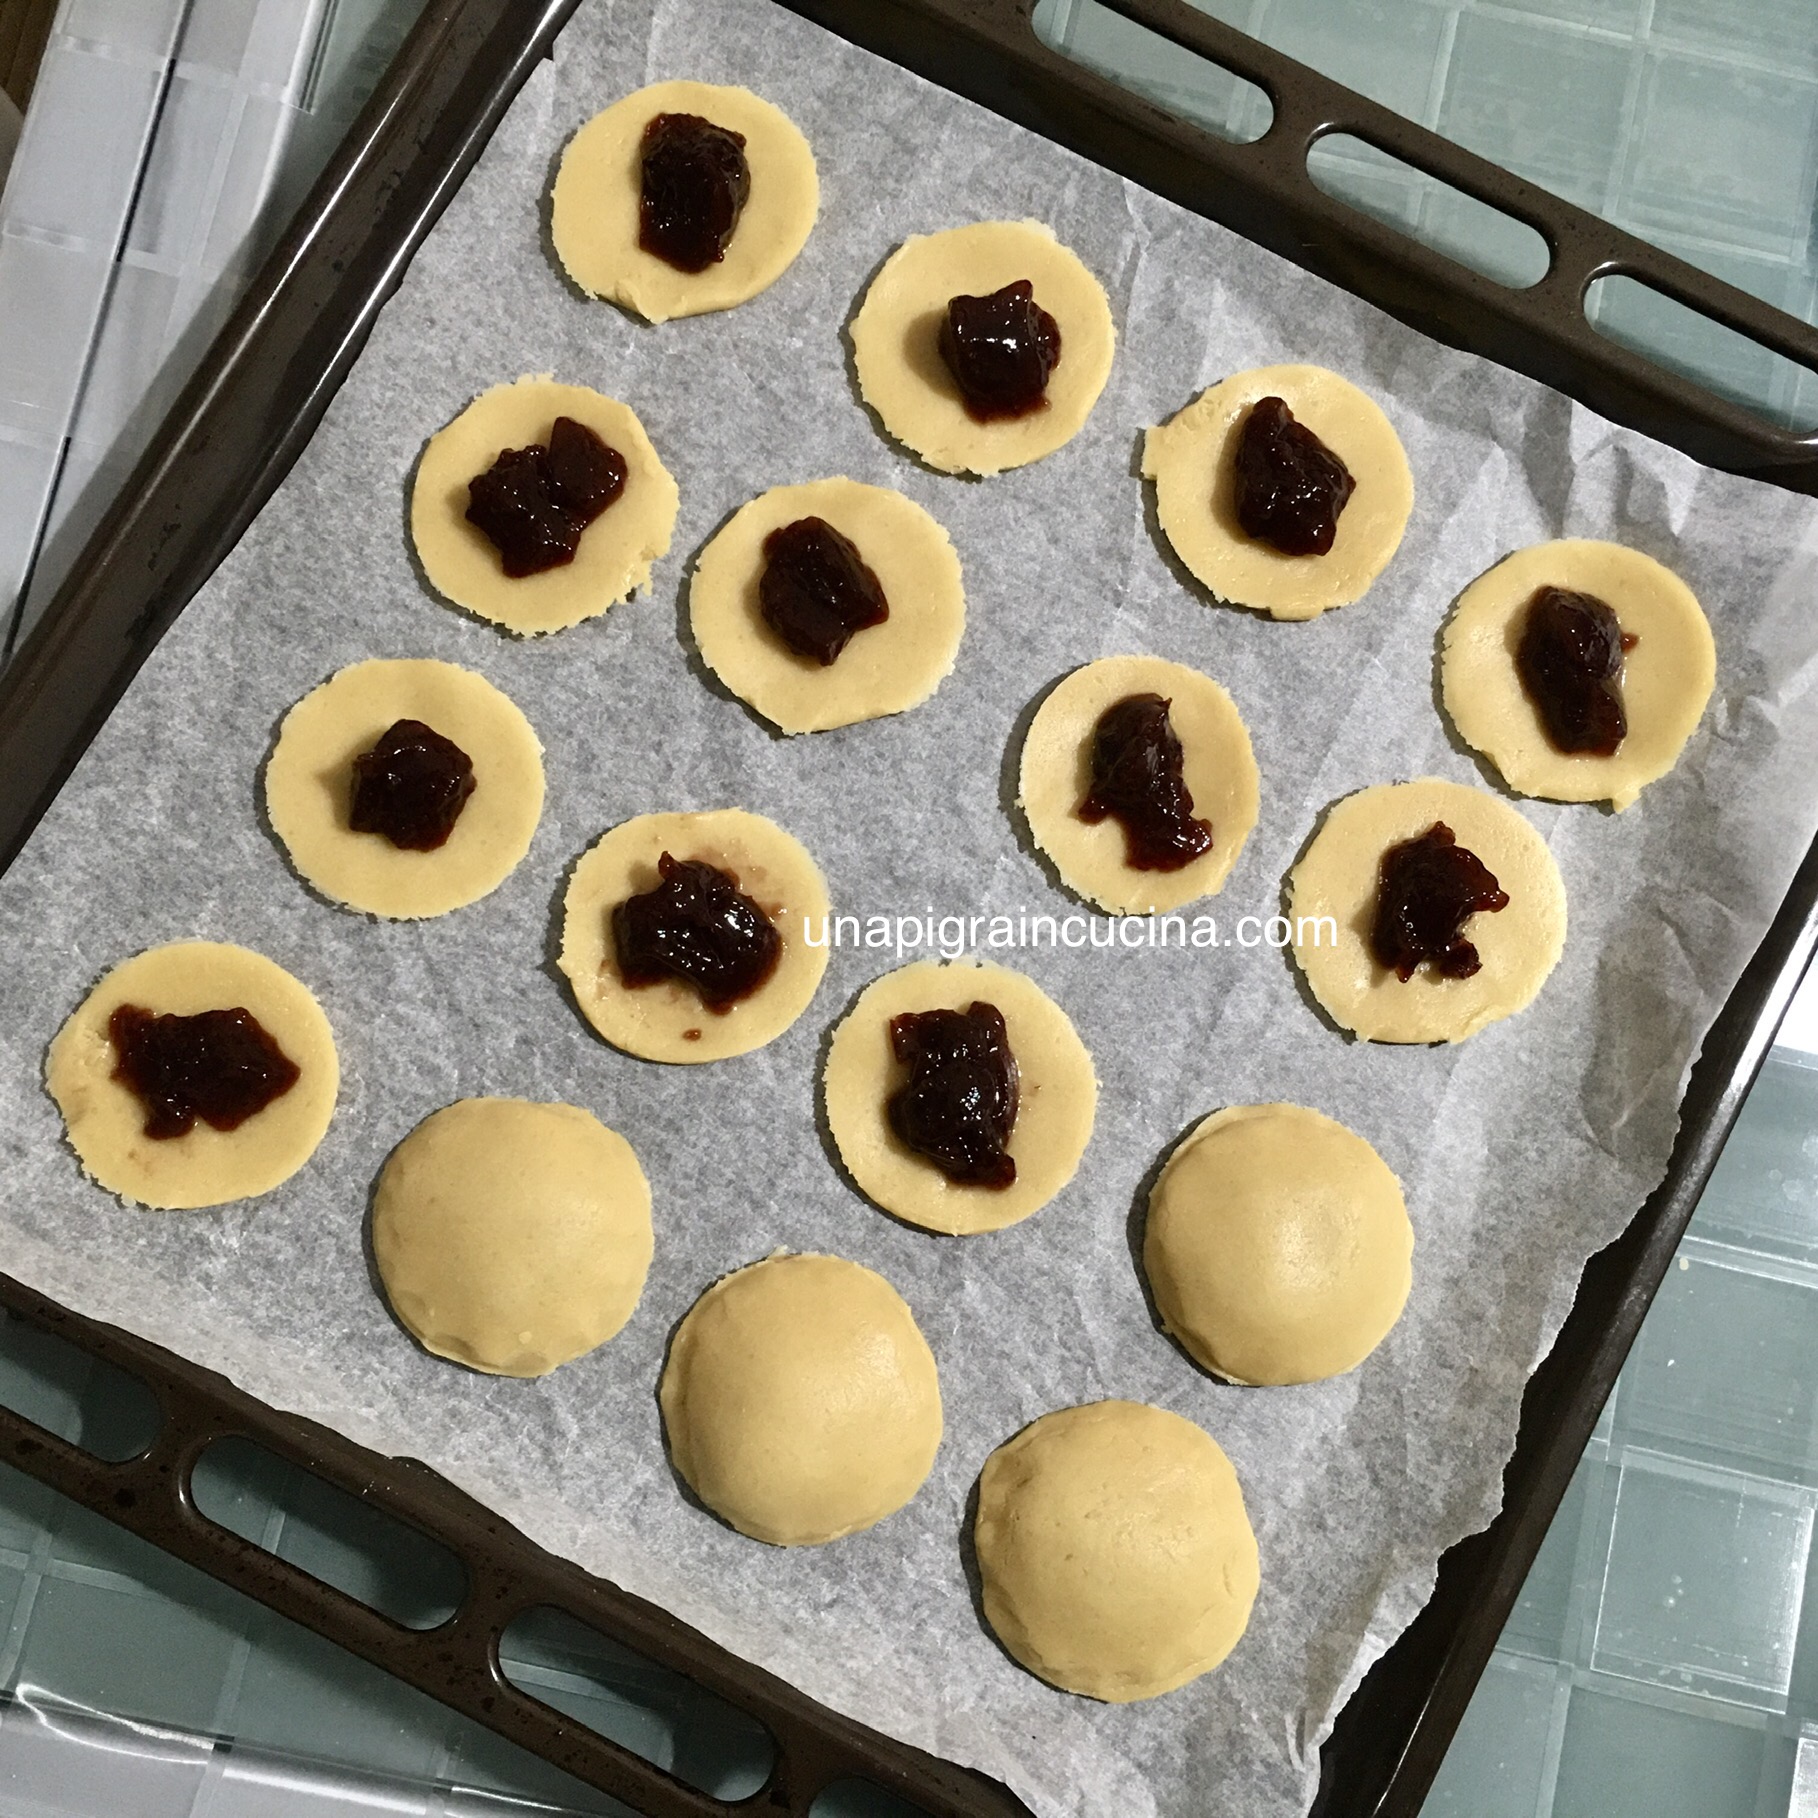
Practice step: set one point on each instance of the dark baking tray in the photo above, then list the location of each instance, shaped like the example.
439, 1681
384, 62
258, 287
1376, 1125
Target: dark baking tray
249, 411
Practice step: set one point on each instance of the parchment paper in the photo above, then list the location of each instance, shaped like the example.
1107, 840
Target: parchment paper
1522, 1150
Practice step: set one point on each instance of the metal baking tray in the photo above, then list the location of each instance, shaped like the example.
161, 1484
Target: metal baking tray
248, 412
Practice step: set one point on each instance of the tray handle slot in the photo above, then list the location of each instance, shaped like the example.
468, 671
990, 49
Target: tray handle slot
66, 1393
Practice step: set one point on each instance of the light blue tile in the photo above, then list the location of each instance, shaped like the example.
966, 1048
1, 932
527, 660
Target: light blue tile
1601, 15
1538, 1624
146, 26
1386, 49
1482, 237
50, 300
1621, 1758
1370, 180
184, 170
1779, 33
1765, 1189
1497, 1765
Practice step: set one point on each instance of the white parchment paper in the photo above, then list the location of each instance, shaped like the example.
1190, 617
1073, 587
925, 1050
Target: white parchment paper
1522, 1151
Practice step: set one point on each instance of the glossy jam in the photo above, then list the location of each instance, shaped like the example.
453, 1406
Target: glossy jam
1000, 350
697, 926
1136, 776
411, 787
958, 1105
816, 590
1569, 660
1290, 487
694, 186
533, 503
1427, 889
220, 1066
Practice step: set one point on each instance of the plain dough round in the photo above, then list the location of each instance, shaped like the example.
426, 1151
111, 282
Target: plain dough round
594, 208
512, 1236
904, 379
667, 1021
885, 668
1217, 764
1278, 1245
1116, 1554
1337, 877
309, 785
616, 549
1666, 679
801, 1400
105, 1119
1191, 462
1058, 1096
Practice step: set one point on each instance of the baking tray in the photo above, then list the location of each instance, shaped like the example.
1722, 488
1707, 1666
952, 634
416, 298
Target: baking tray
247, 414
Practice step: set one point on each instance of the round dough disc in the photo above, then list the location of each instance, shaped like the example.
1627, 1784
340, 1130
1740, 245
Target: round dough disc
105, 1119
309, 784
1666, 678
1278, 1245
594, 207
1116, 1555
512, 1236
1337, 877
801, 1400
1057, 1097
1190, 461
904, 379
885, 668
667, 1021
616, 549
1216, 763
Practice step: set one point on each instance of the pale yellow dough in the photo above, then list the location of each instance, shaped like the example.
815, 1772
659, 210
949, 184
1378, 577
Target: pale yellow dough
1666, 678
801, 1400
512, 1236
885, 668
904, 379
1278, 1245
1216, 763
1057, 1097
105, 1119
594, 206
309, 785
1337, 877
667, 1021
616, 549
1117, 1558
1190, 461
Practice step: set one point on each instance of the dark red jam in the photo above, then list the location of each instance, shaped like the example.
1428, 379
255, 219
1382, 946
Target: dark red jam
816, 590
533, 503
1000, 350
695, 185
220, 1066
1136, 775
698, 926
1570, 663
1427, 889
1290, 485
411, 786
958, 1105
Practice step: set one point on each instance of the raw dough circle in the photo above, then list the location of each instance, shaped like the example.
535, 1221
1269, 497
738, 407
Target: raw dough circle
206, 1167
1277, 1245
1217, 764
594, 207
616, 549
1190, 461
1666, 679
1057, 1097
1337, 877
904, 379
1116, 1554
309, 783
801, 1400
667, 1021
512, 1236
886, 668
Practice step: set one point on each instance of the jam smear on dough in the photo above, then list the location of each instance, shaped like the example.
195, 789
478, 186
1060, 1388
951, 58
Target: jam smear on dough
958, 1105
219, 1065
1427, 889
1569, 659
1290, 487
411, 787
694, 183
697, 926
1137, 776
1001, 351
817, 591
533, 503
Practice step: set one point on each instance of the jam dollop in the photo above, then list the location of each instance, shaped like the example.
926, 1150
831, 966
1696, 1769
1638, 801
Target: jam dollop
816, 590
1290, 485
698, 926
533, 503
958, 1105
1427, 889
220, 1065
694, 186
1000, 350
1569, 660
411, 786
1136, 775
